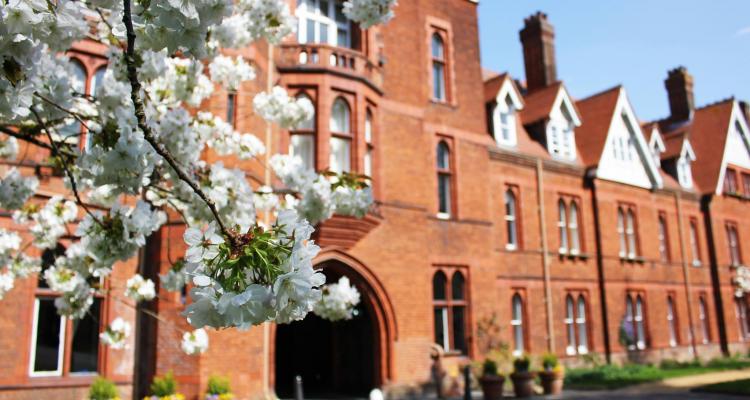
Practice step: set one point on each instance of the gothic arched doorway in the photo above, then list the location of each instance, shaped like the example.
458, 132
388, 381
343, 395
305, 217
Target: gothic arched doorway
342, 359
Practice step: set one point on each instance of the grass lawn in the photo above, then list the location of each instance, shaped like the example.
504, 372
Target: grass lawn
613, 377
740, 387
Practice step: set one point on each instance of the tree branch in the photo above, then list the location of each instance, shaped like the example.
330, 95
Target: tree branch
140, 114
26, 138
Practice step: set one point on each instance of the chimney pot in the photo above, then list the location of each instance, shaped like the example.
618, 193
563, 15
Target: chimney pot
679, 84
538, 40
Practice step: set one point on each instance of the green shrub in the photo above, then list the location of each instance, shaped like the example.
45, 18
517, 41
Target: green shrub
218, 385
592, 359
674, 364
164, 386
522, 364
489, 368
728, 363
103, 389
549, 361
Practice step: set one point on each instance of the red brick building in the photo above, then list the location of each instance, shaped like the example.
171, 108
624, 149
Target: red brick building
566, 223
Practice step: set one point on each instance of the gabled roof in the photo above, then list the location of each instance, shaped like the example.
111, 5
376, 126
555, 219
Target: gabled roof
653, 135
597, 112
539, 103
494, 85
675, 144
707, 132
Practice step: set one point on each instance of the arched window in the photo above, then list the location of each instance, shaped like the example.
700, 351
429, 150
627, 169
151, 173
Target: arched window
510, 220
444, 179
694, 247
505, 120
630, 233
575, 240
450, 311
323, 21
663, 242
583, 339
368, 140
59, 346
733, 242
340, 126
740, 306
79, 86
302, 139
231, 108
570, 328
703, 318
519, 337
640, 323
562, 226
438, 67
621, 232
628, 329
96, 83
671, 322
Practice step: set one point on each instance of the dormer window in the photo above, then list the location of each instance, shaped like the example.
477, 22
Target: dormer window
323, 21
561, 134
505, 122
684, 174
624, 146
656, 154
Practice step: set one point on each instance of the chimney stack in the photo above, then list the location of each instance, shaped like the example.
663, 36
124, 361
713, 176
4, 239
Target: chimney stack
538, 40
679, 84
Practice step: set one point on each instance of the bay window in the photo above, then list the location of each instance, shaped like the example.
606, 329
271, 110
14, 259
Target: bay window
302, 138
323, 21
341, 137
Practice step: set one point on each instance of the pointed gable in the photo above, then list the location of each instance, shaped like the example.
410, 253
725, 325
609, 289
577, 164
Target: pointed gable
539, 104
611, 140
551, 118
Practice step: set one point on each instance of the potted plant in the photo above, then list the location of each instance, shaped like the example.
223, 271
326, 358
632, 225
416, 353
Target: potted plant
164, 389
103, 389
218, 389
491, 381
522, 377
552, 374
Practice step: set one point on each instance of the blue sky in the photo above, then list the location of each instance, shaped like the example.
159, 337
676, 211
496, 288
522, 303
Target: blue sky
600, 44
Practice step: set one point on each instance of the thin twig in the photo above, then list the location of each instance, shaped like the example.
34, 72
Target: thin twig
65, 110
56, 151
26, 138
140, 113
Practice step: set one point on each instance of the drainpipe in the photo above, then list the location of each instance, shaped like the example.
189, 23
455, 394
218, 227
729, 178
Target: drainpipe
714, 265
545, 258
685, 273
590, 181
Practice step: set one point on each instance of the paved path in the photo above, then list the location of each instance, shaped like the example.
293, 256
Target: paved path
673, 388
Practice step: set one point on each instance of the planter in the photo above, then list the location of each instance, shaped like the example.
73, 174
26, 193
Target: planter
492, 386
552, 381
523, 383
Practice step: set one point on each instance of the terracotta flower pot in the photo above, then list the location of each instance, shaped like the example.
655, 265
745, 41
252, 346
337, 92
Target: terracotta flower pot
523, 383
492, 386
552, 381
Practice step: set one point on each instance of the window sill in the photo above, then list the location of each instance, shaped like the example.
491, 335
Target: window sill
511, 247
697, 264
443, 216
444, 103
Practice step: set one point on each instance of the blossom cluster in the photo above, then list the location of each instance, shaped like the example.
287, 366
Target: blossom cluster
338, 301
278, 107
741, 281
116, 334
15, 263
369, 12
140, 289
325, 194
195, 342
272, 279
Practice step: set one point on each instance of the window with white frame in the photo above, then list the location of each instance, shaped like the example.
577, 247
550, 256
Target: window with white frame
231, 108
576, 325
626, 230
444, 177
302, 138
694, 245
621, 232
341, 137
703, 319
684, 174
635, 323
80, 77
561, 135
511, 220
367, 167
663, 239
740, 307
671, 321
581, 326
570, 328
575, 239
450, 306
96, 83
437, 44
562, 226
505, 119
59, 346
516, 323
733, 243
323, 21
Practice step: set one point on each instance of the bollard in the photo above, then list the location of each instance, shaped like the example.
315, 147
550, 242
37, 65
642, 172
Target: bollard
467, 383
299, 393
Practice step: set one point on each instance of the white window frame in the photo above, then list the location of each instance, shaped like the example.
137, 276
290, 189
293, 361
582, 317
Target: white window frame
703, 318
517, 323
562, 226
582, 325
621, 232
506, 110
574, 234
693, 232
306, 16
662, 234
734, 245
671, 322
630, 233
511, 220
60, 350
639, 324
570, 328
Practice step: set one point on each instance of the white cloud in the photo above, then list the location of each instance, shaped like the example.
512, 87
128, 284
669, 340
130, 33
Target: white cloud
743, 31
